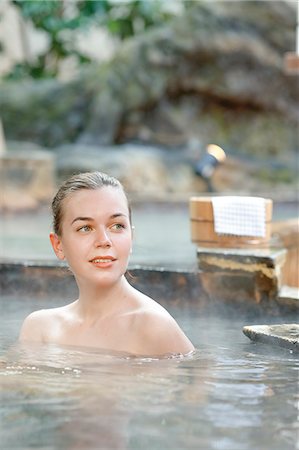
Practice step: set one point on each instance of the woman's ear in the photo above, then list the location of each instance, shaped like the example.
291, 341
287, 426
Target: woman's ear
57, 246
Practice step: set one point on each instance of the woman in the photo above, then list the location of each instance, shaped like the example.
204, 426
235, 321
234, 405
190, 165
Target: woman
92, 231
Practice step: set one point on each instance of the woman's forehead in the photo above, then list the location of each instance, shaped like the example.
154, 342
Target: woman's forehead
106, 198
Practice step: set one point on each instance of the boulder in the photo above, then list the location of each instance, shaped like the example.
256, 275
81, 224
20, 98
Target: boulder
215, 73
283, 335
166, 172
27, 177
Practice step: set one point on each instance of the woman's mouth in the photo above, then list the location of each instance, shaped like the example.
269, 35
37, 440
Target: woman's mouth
103, 261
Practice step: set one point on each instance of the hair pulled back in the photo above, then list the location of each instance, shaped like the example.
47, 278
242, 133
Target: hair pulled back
88, 180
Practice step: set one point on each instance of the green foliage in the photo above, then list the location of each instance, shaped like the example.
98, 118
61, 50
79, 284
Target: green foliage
55, 17
281, 175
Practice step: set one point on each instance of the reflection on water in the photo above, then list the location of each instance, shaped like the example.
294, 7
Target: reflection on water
230, 394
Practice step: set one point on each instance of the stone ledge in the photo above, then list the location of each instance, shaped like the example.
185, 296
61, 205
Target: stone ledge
176, 287
289, 298
283, 335
251, 276
285, 234
53, 278
237, 257
27, 179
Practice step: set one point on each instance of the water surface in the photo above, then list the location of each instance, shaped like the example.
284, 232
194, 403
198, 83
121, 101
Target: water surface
231, 394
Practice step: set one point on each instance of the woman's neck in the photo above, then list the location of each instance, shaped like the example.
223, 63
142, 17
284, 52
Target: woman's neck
98, 302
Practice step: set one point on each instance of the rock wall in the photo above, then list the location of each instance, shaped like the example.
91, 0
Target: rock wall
27, 178
214, 74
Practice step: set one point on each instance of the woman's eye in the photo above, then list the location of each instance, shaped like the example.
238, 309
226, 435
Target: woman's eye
118, 226
84, 229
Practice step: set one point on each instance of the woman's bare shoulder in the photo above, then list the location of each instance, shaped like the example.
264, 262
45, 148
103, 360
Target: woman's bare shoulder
37, 322
45, 314
158, 331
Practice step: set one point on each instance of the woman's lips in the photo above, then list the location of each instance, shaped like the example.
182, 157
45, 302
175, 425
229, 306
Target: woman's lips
103, 261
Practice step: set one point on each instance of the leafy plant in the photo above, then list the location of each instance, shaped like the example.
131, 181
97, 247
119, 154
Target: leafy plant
55, 17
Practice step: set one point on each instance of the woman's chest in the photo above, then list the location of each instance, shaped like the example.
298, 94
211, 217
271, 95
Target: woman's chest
110, 334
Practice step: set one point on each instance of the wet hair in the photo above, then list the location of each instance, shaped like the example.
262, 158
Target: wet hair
88, 181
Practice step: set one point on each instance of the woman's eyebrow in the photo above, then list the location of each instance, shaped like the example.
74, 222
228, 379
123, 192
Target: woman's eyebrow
82, 218
114, 216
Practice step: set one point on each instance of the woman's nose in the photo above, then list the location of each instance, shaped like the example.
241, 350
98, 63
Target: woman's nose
102, 239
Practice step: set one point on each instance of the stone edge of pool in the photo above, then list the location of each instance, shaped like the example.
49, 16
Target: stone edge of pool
188, 288
283, 335
168, 286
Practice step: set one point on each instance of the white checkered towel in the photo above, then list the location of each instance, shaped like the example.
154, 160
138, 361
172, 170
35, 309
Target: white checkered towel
239, 216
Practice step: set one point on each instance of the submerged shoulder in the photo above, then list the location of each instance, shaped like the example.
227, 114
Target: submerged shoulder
159, 332
31, 329
36, 323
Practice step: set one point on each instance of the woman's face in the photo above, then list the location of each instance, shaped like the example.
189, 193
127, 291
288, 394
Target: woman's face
96, 236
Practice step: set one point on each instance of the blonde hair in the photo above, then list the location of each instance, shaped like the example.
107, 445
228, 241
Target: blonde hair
87, 180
